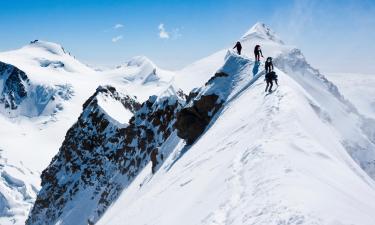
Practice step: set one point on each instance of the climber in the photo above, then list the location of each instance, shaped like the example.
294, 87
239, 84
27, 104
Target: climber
269, 65
238, 46
257, 52
269, 82
269, 70
154, 159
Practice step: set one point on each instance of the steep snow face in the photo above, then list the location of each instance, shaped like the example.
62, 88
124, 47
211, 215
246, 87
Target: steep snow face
196, 74
21, 97
204, 103
13, 86
357, 133
263, 159
99, 157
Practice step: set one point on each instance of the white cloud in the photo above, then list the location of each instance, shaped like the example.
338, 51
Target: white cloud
163, 34
117, 38
118, 26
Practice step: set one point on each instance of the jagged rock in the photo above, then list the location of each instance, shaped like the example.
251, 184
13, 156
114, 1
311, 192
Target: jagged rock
218, 74
192, 121
98, 159
20, 96
14, 89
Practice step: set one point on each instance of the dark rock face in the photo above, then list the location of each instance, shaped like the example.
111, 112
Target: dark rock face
202, 105
218, 74
192, 121
98, 159
14, 88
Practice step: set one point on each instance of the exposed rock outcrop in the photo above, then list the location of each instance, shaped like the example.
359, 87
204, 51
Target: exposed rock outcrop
20, 96
193, 120
98, 158
14, 84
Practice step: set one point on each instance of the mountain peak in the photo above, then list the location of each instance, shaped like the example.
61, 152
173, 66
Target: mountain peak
263, 32
139, 61
50, 47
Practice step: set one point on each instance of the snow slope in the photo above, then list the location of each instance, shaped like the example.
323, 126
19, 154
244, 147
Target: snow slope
301, 155
55, 86
61, 84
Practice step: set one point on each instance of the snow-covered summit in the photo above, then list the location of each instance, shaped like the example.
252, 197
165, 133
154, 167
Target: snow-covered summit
46, 46
142, 70
41, 58
262, 32
202, 70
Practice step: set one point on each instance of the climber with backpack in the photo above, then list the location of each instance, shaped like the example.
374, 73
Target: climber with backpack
270, 74
258, 53
238, 46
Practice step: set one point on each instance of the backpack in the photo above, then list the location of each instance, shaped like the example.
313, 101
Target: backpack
271, 76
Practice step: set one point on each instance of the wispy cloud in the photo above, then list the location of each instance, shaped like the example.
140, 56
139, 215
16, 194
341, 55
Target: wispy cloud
163, 34
169, 34
118, 26
117, 38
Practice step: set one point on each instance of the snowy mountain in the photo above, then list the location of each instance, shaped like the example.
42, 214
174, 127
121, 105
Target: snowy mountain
99, 157
228, 152
301, 155
42, 89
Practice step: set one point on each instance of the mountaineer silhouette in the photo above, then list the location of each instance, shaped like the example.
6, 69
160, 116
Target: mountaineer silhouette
258, 52
238, 46
270, 74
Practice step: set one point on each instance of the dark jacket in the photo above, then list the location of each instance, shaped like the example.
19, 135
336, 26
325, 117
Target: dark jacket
257, 50
268, 66
238, 45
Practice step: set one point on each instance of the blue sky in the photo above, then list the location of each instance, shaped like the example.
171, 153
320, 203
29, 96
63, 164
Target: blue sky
335, 35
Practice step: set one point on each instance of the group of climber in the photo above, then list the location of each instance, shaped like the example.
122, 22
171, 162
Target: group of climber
270, 73
157, 157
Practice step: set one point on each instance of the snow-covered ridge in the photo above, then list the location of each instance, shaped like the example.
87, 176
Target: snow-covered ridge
263, 159
99, 158
248, 157
50, 47
357, 133
41, 57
